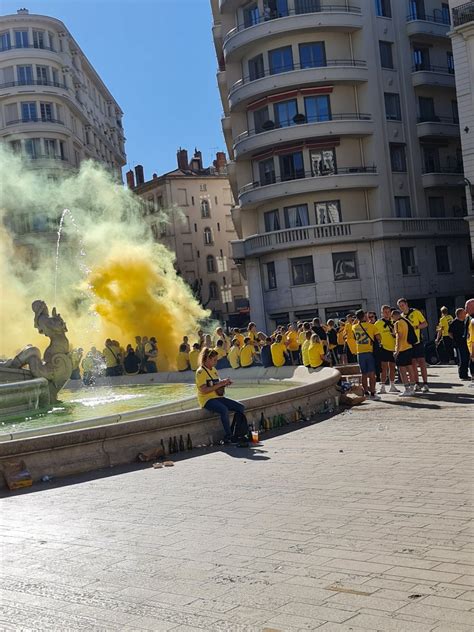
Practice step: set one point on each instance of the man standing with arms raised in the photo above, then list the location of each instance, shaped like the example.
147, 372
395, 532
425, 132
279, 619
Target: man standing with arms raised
418, 322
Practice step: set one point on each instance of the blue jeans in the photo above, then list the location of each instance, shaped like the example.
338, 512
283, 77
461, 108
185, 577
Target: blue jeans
221, 406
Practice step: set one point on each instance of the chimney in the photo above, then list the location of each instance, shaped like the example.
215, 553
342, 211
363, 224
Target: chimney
139, 175
130, 179
220, 163
197, 159
23, 12
182, 156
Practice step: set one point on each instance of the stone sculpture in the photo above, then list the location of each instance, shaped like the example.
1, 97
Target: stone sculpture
56, 365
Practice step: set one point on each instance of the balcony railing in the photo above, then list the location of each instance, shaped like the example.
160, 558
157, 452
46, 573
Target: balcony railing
438, 17
463, 14
444, 70
35, 120
351, 116
33, 82
437, 119
12, 47
302, 8
452, 168
354, 63
274, 179
45, 157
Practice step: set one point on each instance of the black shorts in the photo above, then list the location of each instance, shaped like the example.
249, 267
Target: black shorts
418, 351
385, 355
404, 358
340, 349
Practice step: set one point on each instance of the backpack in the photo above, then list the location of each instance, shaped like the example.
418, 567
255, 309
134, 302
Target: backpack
412, 338
240, 429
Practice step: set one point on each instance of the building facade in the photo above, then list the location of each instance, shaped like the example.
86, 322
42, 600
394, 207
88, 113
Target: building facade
342, 128
54, 107
197, 226
462, 37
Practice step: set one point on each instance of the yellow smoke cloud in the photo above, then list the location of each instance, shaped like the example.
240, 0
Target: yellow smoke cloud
113, 281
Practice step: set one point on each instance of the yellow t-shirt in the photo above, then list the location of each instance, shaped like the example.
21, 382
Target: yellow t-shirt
386, 333
277, 350
292, 339
234, 357
416, 318
76, 359
304, 352
183, 361
315, 351
246, 355
401, 331
194, 359
340, 336
443, 325
252, 335
206, 377
221, 352
470, 336
88, 363
349, 338
110, 357
240, 338
301, 337
363, 333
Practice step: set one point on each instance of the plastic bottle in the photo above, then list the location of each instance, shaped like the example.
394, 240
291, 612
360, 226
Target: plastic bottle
189, 443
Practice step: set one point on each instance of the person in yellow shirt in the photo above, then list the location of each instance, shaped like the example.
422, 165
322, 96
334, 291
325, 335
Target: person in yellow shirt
305, 349
350, 349
403, 353
222, 361
183, 358
234, 354
293, 346
470, 336
316, 352
278, 351
220, 335
194, 356
240, 337
210, 391
386, 331
418, 322
365, 335
112, 359
442, 335
76, 357
247, 353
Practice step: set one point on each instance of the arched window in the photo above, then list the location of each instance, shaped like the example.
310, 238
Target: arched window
211, 263
213, 291
208, 240
205, 209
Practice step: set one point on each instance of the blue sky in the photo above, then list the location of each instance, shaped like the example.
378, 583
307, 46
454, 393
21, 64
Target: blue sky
157, 58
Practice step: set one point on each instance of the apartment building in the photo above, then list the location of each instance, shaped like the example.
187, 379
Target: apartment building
54, 108
197, 227
462, 38
342, 127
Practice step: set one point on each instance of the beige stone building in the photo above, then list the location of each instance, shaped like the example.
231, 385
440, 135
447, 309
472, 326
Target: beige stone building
198, 203
341, 124
462, 37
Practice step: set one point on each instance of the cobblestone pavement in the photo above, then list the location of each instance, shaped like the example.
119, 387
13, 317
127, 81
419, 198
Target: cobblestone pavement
360, 522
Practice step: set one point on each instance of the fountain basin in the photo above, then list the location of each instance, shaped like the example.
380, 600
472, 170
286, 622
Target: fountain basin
81, 450
30, 394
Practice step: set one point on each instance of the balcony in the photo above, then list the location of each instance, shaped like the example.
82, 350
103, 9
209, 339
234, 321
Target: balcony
355, 125
434, 76
342, 178
33, 82
35, 120
437, 127
348, 232
463, 14
8, 48
350, 71
331, 17
435, 176
428, 26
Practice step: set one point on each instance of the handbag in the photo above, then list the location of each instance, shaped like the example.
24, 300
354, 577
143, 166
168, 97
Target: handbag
220, 391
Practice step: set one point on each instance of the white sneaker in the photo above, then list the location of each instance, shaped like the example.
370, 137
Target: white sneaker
375, 398
382, 390
425, 389
393, 389
406, 393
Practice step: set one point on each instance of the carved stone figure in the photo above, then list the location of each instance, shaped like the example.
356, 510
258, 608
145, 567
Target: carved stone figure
56, 365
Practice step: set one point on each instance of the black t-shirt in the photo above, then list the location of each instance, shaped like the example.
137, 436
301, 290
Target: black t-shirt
458, 329
320, 331
266, 356
332, 336
131, 362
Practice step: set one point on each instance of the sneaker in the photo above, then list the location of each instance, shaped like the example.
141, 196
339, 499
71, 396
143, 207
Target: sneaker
417, 388
375, 398
425, 389
393, 389
406, 393
382, 390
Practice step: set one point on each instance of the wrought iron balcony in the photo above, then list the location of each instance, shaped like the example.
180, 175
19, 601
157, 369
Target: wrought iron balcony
463, 14
34, 82
35, 120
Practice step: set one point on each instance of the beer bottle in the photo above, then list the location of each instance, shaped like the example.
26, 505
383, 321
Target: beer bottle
189, 443
181, 443
262, 423
170, 446
163, 447
175, 444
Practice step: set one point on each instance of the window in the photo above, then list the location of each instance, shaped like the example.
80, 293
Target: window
436, 207
317, 108
386, 55
296, 216
25, 75
398, 158
431, 159
307, 6
213, 291
208, 240
427, 109
402, 206
271, 275
445, 16
21, 39
345, 266
42, 77
323, 162
260, 117
450, 62
280, 60
443, 265
215, 200
312, 55
417, 9
383, 8
33, 147
285, 112
407, 256
205, 209
218, 227
28, 111
62, 150
272, 221
292, 166
203, 187
266, 169
210, 263
421, 58
328, 212
5, 41
392, 106
38, 39
256, 68
302, 270
251, 15
50, 147
46, 111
